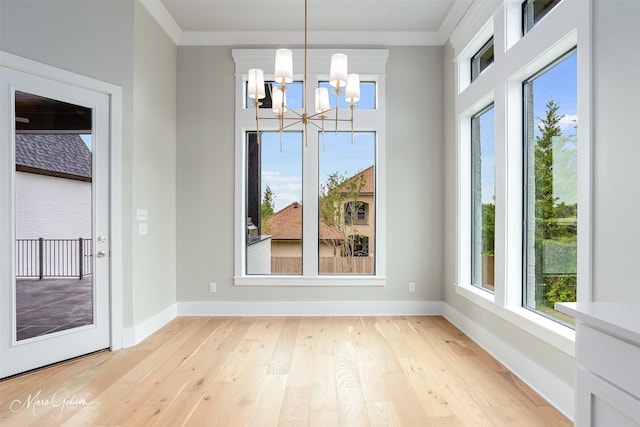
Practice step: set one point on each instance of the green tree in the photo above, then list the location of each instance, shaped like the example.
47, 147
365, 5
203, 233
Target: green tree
267, 208
339, 204
555, 220
488, 228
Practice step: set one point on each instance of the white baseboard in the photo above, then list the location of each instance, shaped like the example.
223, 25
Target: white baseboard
309, 308
555, 391
137, 334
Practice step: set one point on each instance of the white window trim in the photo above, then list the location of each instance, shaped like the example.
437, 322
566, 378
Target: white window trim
371, 65
516, 59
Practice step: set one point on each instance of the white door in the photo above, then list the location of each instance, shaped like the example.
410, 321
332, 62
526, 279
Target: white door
54, 221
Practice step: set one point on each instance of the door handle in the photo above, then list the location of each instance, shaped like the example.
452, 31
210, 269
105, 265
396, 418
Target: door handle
101, 254
102, 239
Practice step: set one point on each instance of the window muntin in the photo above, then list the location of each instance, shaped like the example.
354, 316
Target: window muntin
367, 96
274, 203
551, 196
533, 11
347, 183
482, 59
483, 199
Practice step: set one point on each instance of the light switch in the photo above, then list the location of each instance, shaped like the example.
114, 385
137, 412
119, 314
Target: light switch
143, 228
142, 215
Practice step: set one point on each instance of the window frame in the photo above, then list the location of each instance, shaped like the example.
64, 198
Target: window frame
372, 61
517, 57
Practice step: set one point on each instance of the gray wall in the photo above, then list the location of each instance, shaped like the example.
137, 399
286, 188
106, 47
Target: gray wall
153, 256
205, 181
616, 154
118, 42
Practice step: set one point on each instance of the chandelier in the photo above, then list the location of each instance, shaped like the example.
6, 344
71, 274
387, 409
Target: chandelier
283, 73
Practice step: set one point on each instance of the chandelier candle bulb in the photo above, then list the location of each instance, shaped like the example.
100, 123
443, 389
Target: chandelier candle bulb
284, 66
338, 70
352, 91
279, 101
256, 84
322, 100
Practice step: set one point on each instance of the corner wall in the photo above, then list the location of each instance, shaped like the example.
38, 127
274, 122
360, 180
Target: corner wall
616, 150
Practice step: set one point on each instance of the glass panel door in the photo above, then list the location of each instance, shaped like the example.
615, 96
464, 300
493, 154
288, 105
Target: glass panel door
54, 221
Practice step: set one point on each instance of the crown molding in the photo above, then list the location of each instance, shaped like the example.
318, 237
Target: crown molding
316, 38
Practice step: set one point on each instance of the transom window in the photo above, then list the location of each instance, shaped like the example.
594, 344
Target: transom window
482, 59
533, 11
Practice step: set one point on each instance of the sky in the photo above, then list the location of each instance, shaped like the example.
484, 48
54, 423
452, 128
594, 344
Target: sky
87, 140
282, 171
558, 83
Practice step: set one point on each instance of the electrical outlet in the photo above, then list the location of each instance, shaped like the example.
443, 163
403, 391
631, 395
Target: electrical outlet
212, 287
412, 287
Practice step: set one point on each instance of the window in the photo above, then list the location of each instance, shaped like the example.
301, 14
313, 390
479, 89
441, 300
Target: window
551, 207
274, 203
361, 210
307, 200
482, 59
541, 246
347, 188
367, 96
483, 193
533, 11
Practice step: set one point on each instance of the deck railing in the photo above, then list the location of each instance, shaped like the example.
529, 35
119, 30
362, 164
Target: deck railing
54, 257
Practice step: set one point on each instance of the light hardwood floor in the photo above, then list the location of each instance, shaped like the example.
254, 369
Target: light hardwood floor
282, 371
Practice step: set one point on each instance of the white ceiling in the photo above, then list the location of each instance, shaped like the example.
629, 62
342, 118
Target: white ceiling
273, 22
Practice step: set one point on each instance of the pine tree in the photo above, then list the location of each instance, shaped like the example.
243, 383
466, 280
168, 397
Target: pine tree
266, 209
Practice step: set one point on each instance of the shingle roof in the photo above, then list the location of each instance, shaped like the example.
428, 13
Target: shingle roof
286, 224
62, 154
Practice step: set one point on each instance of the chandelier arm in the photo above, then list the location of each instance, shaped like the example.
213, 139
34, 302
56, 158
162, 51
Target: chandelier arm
290, 125
317, 116
352, 133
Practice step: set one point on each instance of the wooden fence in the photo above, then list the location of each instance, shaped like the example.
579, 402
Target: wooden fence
328, 265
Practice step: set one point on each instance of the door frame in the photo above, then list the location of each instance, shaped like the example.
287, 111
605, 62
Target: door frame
114, 93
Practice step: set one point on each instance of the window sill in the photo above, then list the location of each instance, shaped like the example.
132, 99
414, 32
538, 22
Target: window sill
310, 281
553, 333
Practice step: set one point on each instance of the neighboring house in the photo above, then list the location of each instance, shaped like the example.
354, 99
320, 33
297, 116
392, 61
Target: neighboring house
285, 226
52, 186
362, 216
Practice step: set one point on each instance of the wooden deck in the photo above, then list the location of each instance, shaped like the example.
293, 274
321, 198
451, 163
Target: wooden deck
311, 371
